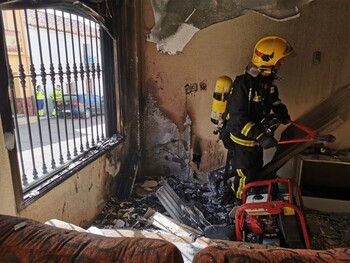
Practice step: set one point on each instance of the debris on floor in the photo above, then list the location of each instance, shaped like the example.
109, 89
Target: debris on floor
184, 212
170, 225
326, 230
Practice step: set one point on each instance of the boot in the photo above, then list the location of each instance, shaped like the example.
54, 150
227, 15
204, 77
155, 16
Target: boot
214, 180
227, 194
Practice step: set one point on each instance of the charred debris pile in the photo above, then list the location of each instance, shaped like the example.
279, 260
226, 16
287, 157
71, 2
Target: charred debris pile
191, 204
187, 202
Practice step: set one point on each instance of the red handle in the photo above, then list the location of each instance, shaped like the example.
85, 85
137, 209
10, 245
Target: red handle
311, 134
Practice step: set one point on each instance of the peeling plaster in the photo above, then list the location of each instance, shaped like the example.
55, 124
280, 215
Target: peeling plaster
112, 169
212, 157
175, 43
167, 150
176, 21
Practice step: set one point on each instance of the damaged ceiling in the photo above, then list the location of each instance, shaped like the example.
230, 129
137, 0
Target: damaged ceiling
176, 21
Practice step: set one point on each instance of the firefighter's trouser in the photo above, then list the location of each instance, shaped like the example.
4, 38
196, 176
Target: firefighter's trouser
246, 163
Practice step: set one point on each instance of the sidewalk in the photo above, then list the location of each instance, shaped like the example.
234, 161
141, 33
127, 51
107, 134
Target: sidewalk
40, 156
21, 119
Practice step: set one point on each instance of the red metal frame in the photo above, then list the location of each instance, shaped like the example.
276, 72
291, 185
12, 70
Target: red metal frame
311, 134
272, 207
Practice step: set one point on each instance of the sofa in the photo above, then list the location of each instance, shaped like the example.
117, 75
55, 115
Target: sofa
26, 240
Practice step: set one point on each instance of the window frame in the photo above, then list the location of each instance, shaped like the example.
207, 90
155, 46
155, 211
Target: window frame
112, 124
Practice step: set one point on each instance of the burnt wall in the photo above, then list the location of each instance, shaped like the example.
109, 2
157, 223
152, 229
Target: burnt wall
177, 89
128, 64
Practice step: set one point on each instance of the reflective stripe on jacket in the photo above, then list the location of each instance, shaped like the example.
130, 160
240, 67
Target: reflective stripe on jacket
252, 99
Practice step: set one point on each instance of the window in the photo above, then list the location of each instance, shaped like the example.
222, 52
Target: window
57, 94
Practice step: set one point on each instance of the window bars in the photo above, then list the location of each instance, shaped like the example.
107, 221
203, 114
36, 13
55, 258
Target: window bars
56, 89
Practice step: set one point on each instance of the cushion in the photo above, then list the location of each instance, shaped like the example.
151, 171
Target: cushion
25, 240
241, 254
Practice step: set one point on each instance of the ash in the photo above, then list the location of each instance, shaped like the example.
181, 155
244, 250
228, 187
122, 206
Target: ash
326, 230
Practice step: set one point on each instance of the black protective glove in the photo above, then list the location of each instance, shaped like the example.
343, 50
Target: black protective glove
284, 118
266, 141
270, 123
282, 113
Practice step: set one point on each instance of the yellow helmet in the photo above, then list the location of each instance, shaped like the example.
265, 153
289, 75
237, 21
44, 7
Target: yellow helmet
269, 50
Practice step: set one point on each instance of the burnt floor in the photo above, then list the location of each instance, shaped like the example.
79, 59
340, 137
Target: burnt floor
326, 230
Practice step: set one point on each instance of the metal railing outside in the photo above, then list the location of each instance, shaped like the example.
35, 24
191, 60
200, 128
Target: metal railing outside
56, 91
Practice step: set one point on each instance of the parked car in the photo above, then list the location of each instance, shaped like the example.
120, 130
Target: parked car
81, 105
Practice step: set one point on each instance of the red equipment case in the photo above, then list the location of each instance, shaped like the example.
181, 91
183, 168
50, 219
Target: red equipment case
272, 203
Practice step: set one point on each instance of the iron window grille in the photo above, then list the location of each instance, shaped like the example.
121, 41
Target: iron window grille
54, 128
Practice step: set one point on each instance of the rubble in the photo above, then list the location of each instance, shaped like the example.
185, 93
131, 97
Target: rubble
184, 212
326, 230
169, 225
149, 184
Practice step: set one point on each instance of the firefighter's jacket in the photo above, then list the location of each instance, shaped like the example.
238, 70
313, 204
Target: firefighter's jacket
251, 99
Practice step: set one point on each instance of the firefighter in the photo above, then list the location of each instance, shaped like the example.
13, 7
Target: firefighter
40, 96
254, 97
56, 96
